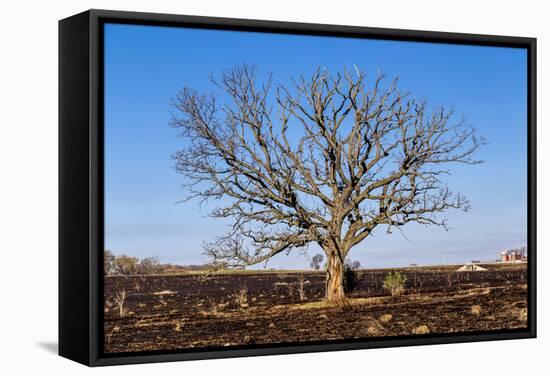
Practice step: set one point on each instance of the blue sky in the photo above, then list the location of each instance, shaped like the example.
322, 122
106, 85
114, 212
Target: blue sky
145, 66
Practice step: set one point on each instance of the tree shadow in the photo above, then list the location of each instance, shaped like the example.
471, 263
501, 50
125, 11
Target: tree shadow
51, 347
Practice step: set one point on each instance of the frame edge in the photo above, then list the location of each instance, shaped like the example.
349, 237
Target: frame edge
88, 352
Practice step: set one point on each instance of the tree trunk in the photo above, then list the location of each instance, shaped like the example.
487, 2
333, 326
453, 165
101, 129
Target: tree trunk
334, 293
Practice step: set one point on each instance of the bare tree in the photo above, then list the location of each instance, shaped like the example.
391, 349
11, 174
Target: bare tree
108, 259
324, 161
149, 265
316, 261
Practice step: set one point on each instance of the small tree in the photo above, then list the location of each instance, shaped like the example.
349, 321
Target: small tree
125, 265
316, 261
301, 286
395, 283
352, 265
108, 258
120, 299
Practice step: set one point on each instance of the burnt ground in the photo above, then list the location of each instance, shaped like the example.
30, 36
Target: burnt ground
195, 310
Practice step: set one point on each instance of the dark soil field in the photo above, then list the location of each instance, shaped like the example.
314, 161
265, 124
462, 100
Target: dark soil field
177, 312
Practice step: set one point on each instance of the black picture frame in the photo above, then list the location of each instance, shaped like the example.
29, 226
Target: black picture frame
81, 182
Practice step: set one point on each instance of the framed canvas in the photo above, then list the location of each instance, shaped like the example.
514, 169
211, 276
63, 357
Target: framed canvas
235, 187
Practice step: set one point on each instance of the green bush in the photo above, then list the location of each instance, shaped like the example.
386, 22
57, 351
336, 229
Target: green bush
395, 283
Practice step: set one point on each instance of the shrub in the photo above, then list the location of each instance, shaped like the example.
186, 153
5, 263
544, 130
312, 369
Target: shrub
215, 266
125, 265
395, 283
149, 265
241, 297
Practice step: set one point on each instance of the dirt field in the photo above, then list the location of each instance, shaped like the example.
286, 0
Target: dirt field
196, 310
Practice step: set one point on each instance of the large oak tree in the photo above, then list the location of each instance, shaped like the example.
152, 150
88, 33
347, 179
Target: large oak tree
325, 160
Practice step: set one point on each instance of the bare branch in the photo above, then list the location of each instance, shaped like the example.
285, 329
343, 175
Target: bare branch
326, 160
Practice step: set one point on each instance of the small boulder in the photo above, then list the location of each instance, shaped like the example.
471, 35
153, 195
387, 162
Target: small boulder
385, 318
476, 310
422, 329
372, 330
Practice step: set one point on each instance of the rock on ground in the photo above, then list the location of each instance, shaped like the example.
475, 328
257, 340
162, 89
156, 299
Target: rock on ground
422, 329
385, 318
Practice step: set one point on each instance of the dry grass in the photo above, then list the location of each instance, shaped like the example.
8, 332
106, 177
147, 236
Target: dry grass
211, 308
241, 297
321, 304
165, 292
387, 300
523, 314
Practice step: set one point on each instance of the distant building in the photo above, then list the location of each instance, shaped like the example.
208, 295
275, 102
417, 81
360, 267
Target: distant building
514, 255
